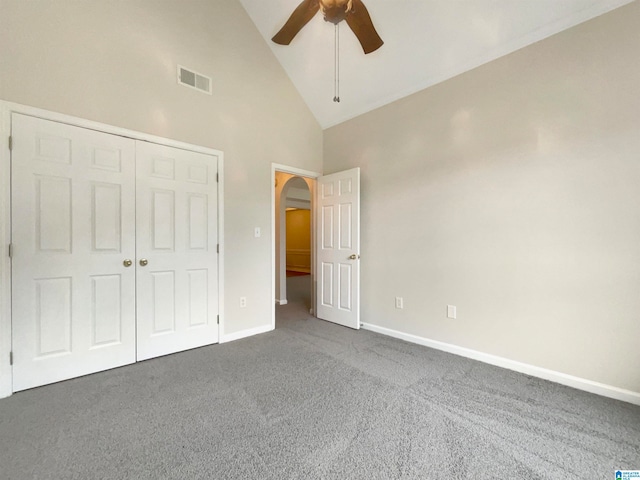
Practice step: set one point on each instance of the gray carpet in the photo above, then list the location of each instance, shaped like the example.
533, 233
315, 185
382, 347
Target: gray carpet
314, 400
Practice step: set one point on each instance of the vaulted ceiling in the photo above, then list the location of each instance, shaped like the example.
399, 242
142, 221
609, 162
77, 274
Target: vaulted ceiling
426, 42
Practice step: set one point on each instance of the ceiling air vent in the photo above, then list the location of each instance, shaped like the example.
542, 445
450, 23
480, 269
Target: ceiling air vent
192, 79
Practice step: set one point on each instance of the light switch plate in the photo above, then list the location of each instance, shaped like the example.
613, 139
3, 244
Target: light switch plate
399, 302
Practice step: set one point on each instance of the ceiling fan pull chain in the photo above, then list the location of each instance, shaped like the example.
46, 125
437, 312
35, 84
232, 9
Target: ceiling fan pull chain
338, 62
336, 65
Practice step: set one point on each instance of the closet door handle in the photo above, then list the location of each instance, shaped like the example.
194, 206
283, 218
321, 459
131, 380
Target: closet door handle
143, 262
127, 263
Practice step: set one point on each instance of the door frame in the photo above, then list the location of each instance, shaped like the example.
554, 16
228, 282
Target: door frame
8, 108
276, 167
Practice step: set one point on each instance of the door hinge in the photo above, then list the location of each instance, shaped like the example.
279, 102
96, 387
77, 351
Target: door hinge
217, 177
10, 142
218, 319
11, 250
218, 248
10, 358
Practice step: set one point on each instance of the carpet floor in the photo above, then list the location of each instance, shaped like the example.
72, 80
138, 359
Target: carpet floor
313, 400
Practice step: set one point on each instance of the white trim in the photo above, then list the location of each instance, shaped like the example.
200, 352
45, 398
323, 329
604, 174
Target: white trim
276, 167
245, 333
105, 128
221, 243
292, 170
6, 109
282, 301
551, 375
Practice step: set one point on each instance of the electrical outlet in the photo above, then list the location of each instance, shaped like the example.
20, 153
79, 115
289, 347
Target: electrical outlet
451, 311
243, 302
399, 302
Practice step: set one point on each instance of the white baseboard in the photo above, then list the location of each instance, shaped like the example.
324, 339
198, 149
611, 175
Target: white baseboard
245, 333
282, 301
551, 375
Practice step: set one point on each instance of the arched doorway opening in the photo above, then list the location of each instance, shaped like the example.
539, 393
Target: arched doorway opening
294, 244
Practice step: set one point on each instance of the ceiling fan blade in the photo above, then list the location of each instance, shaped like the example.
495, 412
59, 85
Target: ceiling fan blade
360, 22
298, 19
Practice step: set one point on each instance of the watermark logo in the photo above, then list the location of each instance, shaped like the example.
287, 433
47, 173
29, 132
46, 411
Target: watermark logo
627, 474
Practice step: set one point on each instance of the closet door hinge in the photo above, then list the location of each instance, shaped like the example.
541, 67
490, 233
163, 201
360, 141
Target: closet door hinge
10, 358
10, 142
218, 248
217, 177
218, 319
11, 250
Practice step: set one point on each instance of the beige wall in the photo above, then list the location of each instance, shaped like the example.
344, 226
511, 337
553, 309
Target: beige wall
298, 227
115, 62
513, 193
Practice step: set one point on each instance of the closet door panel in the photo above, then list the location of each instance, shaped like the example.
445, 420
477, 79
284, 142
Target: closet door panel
177, 261
73, 225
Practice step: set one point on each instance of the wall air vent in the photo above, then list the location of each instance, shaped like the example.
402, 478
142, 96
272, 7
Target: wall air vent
195, 80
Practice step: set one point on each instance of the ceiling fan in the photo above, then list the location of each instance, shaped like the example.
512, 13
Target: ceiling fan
334, 11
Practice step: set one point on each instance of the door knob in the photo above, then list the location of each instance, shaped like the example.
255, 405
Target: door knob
354, 257
127, 263
143, 262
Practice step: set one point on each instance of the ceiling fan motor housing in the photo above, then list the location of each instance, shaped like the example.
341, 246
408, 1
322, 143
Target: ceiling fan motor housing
335, 11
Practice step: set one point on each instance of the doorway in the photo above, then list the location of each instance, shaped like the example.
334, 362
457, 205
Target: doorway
293, 223
335, 243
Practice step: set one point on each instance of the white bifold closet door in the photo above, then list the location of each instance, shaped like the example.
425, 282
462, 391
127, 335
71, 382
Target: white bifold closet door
73, 300
83, 225
177, 264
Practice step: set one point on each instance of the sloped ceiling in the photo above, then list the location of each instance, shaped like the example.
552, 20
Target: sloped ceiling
426, 42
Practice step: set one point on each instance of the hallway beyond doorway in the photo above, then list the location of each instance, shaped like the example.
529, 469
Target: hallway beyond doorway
299, 300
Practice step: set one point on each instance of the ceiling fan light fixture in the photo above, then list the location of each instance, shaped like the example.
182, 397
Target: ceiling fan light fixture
352, 11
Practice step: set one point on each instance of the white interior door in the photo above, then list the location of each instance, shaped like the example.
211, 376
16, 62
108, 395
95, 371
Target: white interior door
177, 260
338, 248
73, 299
